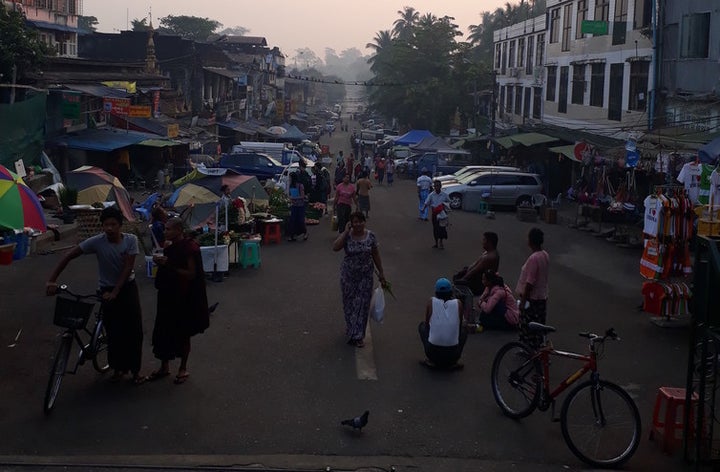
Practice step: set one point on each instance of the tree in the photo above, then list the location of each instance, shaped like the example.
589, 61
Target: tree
87, 23
189, 27
305, 58
140, 25
403, 26
235, 31
21, 47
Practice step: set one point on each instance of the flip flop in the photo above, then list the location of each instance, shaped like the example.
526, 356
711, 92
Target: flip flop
157, 375
138, 379
181, 378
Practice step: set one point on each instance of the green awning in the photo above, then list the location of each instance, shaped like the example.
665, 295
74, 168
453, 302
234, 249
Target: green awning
159, 143
458, 144
567, 151
505, 142
530, 139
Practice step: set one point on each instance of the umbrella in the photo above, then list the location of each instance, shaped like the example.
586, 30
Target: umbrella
276, 130
95, 185
19, 206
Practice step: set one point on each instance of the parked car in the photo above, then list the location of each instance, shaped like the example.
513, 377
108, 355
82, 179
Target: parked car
497, 188
330, 126
313, 132
444, 163
467, 170
262, 166
283, 179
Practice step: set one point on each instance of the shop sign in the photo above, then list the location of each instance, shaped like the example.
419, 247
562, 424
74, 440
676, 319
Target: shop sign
71, 105
139, 111
156, 103
116, 106
173, 129
129, 87
594, 27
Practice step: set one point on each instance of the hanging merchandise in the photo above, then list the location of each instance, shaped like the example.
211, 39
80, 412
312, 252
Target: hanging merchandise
689, 176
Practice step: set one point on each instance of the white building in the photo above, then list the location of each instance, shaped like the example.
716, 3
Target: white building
598, 65
55, 20
519, 72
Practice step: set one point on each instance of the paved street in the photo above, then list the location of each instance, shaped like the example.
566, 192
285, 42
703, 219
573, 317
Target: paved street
272, 377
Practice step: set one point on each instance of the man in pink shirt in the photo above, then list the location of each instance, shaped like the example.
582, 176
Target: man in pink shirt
532, 287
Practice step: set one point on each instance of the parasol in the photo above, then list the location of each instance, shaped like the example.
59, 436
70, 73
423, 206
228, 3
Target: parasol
19, 206
96, 185
277, 130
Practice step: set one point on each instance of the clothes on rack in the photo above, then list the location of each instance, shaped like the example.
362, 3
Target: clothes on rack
666, 299
689, 176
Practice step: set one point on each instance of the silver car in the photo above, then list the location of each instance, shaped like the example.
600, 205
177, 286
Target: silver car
496, 188
467, 170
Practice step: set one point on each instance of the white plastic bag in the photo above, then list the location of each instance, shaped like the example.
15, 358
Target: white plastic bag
377, 305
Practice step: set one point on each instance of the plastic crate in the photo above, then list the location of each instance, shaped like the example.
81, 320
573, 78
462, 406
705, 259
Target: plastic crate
72, 313
22, 244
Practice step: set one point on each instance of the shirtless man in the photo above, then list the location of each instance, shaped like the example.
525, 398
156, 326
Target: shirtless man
363, 186
488, 260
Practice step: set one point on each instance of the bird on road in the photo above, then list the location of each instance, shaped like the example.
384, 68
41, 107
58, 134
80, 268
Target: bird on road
359, 422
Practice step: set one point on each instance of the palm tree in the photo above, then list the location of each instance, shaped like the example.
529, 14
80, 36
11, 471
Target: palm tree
427, 20
402, 27
381, 42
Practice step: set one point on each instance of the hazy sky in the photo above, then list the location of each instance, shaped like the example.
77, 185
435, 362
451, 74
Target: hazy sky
293, 24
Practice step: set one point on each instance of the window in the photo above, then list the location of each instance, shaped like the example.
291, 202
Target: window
581, 16
620, 23
615, 92
487, 179
597, 85
526, 102
537, 102
540, 58
551, 83
528, 180
498, 48
501, 108
509, 99
643, 13
567, 26
503, 59
563, 89
507, 179
695, 35
511, 54
518, 99
578, 88
554, 25
529, 61
602, 10
638, 85
521, 53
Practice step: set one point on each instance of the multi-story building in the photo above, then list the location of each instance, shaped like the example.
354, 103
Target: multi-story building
55, 20
689, 75
518, 66
598, 65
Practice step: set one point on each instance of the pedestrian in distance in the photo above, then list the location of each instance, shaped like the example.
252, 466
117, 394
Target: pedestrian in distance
157, 227
439, 204
182, 307
362, 258
532, 286
363, 186
345, 200
442, 333
122, 315
497, 305
296, 223
424, 184
390, 171
381, 170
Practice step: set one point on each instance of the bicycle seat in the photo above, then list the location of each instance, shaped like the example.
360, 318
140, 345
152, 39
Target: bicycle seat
540, 328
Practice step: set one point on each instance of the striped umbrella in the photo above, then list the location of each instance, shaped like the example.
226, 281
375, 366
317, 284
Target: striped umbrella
96, 185
19, 206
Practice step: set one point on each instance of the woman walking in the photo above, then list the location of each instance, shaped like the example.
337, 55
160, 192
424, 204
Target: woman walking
362, 257
345, 198
182, 308
532, 287
390, 171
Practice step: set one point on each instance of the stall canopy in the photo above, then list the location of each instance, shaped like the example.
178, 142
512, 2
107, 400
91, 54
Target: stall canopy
438, 145
525, 139
710, 153
413, 137
293, 134
567, 151
104, 140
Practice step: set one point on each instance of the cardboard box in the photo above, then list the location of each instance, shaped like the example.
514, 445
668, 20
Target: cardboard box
708, 227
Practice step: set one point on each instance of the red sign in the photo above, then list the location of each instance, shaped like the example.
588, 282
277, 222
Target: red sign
116, 106
139, 111
156, 102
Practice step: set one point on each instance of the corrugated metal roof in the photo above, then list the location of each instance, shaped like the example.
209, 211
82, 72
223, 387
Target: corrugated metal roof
98, 90
104, 140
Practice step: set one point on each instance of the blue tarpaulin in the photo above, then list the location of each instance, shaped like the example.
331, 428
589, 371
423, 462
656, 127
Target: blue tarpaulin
413, 136
710, 153
103, 140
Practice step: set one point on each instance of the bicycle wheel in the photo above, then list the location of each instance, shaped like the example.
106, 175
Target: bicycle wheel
600, 424
57, 372
99, 346
516, 380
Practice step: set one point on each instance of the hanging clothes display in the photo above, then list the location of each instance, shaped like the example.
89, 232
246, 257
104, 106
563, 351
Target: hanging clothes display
689, 176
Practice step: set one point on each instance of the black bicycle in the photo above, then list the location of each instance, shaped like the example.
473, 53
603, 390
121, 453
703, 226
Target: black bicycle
72, 312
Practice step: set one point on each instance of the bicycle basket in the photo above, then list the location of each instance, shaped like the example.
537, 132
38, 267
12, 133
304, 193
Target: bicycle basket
72, 313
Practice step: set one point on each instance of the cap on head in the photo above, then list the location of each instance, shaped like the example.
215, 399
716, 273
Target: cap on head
443, 285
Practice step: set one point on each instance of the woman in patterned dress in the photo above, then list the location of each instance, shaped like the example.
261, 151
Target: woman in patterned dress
356, 275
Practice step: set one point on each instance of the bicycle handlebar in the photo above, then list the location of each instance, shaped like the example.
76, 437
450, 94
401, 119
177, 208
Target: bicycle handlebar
63, 288
594, 338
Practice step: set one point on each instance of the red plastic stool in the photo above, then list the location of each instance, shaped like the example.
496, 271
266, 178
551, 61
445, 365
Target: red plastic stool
670, 423
272, 232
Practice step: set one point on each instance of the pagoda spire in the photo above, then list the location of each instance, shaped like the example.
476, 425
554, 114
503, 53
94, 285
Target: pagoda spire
150, 58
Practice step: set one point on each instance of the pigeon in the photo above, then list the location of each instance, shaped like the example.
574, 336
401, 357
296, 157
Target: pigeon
359, 422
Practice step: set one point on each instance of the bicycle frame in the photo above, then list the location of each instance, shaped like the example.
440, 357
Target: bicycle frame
544, 354
86, 349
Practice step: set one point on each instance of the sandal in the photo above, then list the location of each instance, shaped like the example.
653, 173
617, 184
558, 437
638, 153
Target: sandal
157, 375
117, 376
306, 236
181, 378
138, 379
357, 343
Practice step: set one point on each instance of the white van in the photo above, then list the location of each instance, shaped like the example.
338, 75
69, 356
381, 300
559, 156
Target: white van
279, 151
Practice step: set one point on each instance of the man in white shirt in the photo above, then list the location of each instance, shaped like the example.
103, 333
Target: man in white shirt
424, 184
438, 202
442, 333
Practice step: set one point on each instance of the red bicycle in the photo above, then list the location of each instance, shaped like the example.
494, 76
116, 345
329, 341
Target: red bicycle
600, 422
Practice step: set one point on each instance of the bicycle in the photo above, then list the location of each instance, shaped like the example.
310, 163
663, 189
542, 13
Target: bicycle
600, 422
72, 312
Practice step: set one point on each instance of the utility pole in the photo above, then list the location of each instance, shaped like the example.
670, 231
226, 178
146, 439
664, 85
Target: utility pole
494, 104
475, 104
12, 82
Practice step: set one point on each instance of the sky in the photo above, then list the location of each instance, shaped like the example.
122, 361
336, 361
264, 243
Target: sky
292, 24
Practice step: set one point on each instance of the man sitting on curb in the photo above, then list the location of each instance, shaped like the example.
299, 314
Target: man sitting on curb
442, 333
